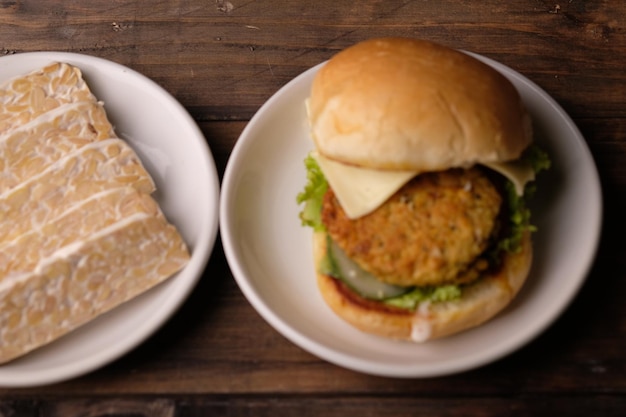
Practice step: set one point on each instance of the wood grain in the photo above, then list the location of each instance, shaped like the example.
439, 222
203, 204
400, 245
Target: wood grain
222, 60
314, 406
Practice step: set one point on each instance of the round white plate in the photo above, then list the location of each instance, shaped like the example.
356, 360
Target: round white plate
176, 154
270, 252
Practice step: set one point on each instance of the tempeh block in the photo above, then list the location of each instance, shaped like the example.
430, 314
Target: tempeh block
79, 232
93, 168
84, 280
26, 97
28, 150
82, 219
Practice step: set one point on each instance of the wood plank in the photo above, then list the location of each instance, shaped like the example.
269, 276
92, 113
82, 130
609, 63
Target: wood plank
605, 405
224, 65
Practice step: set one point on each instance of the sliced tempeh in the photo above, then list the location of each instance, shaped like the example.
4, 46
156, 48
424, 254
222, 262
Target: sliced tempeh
93, 168
80, 220
79, 231
30, 149
83, 280
26, 97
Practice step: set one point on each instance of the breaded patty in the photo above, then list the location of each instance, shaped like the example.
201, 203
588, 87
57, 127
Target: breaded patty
431, 232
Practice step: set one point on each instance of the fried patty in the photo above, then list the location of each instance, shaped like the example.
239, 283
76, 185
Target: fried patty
432, 231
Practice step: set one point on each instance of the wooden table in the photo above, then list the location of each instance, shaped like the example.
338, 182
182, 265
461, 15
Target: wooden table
222, 60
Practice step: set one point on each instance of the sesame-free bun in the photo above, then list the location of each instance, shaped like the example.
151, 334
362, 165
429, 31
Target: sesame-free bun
407, 104
480, 301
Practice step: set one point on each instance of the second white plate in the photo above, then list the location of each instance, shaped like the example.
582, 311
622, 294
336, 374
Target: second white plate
270, 252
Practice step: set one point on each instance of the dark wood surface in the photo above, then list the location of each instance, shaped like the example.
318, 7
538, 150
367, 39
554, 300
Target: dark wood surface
222, 60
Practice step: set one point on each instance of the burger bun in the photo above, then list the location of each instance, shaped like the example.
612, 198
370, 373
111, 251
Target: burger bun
480, 301
408, 104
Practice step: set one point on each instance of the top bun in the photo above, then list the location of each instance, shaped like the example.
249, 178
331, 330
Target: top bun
407, 104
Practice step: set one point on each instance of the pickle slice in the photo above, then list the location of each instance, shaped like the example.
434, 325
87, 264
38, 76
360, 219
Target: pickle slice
359, 280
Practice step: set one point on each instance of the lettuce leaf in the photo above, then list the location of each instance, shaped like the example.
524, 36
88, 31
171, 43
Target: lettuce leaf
312, 195
519, 213
538, 158
419, 295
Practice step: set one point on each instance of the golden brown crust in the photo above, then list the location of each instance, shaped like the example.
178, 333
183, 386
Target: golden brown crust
399, 103
430, 232
480, 302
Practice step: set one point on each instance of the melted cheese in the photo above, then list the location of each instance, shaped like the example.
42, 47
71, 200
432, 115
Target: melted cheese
518, 172
361, 190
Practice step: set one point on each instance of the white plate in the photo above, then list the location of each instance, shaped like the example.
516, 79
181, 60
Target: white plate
270, 252
176, 154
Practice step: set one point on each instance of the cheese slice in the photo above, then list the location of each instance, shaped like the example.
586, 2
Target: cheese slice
518, 172
361, 190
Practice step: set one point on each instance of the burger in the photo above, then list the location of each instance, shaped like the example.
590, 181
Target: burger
417, 188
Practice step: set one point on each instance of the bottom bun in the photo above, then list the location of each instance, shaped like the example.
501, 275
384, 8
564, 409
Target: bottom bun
479, 302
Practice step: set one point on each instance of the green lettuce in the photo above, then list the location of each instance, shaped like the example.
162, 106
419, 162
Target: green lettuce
417, 295
519, 213
312, 195
538, 159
